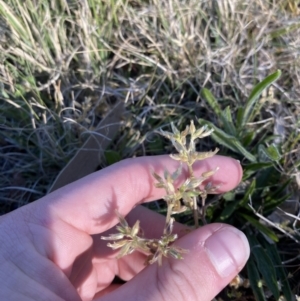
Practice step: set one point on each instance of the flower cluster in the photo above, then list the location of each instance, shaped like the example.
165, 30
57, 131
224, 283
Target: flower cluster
130, 239
178, 198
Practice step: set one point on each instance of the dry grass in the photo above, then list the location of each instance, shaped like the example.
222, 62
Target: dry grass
64, 63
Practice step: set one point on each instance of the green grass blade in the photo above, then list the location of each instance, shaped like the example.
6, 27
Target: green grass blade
271, 152
284, 30
239, 118
252, 168
255, 282
272, 203
282, 275
254, 95
228, 141
265, 266
258, 166
228, 210
250, 190
227, 121
225, 115
248, 137
6, 12
112, 157
256, 224
211, 101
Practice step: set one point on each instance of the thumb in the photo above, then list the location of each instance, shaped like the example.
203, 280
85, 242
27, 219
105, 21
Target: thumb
217, 252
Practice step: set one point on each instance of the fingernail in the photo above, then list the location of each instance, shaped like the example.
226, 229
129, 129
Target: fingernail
228, 250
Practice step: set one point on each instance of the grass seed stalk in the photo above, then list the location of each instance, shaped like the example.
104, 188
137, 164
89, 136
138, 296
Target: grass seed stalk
180, 198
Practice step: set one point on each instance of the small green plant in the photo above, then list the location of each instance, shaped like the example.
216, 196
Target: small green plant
178, 198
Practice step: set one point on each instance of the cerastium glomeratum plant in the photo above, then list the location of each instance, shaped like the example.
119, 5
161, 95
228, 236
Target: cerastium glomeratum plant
178, 198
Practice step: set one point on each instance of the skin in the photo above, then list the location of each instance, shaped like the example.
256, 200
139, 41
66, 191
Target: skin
51, 249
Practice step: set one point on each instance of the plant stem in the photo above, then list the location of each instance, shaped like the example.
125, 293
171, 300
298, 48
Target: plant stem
168, 217
203, 211
195, 212
195, 205
191, 171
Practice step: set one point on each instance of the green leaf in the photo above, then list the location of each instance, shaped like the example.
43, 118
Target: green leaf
228, 210
255, 223
265, 266
112, 157
239, 117
271, 152
228, 141
252, 168
284, 30
277, 197
255, 281
258, 166
229, 196
267, 177
273, 202
254, 95
248, 137
281, 188
211, 101
250, 190
281, 273
4, 94
227, 121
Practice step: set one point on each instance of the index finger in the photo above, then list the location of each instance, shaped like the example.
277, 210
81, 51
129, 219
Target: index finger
89, 204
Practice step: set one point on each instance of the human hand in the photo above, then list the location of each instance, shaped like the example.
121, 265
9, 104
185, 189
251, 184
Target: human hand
51, 249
